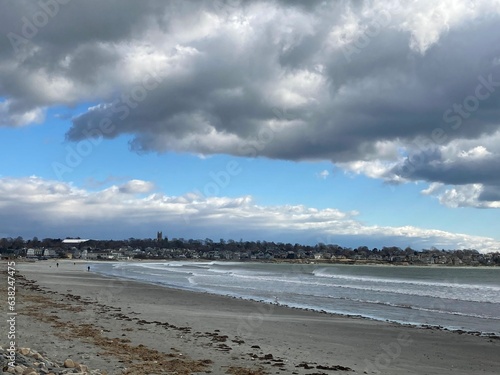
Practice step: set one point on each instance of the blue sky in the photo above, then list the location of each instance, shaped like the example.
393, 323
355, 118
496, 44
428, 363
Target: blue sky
295, 123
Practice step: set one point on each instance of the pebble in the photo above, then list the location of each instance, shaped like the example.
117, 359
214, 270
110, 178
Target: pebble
31, 362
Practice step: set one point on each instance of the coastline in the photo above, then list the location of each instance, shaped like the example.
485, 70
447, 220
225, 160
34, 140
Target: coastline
489, 334
227, 330
347, 262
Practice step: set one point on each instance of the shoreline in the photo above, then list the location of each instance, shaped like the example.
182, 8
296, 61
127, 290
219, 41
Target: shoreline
237, 335
415, 312
274, 261
490, 335
460, 331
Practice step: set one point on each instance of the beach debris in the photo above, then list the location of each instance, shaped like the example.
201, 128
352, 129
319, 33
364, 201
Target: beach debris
234, 370
305, 365
69, 363
34, 363
224, 348
334, 368
311, 365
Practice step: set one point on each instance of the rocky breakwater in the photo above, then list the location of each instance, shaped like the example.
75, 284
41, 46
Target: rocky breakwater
30, 362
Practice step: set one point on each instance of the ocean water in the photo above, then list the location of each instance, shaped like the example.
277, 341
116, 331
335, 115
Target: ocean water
456, 298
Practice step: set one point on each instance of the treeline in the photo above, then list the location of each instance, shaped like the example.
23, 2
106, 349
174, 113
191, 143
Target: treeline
208, 245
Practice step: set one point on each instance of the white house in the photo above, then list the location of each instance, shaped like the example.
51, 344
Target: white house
49, 253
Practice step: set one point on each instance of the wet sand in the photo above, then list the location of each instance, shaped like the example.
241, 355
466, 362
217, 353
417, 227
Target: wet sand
124, 327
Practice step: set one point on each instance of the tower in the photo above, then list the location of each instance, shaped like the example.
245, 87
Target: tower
159, 236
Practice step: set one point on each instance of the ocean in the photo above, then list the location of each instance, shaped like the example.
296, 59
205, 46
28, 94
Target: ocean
462, 298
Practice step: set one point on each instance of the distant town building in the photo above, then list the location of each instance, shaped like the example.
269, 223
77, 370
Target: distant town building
73, 241
32, 253
49, 253
159, 236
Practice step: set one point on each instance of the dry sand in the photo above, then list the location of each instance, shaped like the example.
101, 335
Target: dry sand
135, 328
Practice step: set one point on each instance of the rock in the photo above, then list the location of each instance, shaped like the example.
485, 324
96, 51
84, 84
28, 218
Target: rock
37, 364
22, 360
82, 368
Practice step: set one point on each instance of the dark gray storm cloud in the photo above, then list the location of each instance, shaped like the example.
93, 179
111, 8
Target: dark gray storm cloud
432, 167
340, 81
490, 194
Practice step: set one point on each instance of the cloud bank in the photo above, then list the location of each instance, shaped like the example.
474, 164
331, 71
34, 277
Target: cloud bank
398, 90
34, 205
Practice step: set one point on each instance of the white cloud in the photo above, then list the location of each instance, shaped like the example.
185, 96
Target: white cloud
32, 116
137, 187
271, 53
468, 195
428, 20
478, 152
226, 70
372, 169
323, 174
52, 208
433, 188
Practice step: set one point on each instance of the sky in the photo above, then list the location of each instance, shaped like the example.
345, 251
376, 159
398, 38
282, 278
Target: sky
350, 122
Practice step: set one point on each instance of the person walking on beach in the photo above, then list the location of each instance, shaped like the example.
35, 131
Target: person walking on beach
88, 269
57, 264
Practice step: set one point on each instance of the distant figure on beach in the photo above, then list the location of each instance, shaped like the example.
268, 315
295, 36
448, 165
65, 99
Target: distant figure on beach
57, 264
88, 268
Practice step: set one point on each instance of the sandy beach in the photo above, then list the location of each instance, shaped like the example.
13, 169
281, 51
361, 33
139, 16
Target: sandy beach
134, 328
